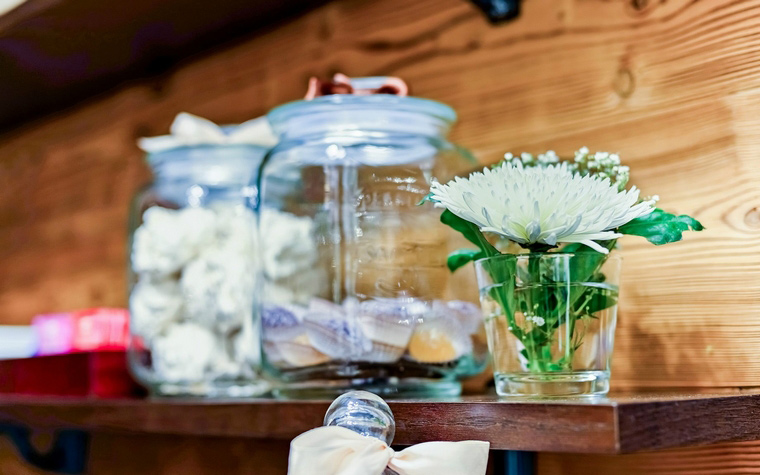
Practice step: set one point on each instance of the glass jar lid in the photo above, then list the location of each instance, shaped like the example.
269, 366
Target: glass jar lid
346, 113
233, 164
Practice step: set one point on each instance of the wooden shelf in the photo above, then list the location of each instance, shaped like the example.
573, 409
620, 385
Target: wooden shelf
619, 424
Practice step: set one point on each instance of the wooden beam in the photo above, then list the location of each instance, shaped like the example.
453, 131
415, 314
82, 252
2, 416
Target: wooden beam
54, 53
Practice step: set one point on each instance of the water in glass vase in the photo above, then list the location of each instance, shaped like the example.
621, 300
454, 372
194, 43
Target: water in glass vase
553, 339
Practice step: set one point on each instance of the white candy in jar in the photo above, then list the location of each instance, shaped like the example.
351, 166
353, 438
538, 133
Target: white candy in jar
288, 242
194, 297
184, 353
168, 239
154, 304
299, 288
236, 230
218, 288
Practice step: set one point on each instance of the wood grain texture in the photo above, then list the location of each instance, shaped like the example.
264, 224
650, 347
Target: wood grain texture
720, 459
673, 86
149, 454
121, 454
566, 427
619, 424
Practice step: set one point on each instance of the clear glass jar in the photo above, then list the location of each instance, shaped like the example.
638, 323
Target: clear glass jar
356, 292
550, 319
193, 273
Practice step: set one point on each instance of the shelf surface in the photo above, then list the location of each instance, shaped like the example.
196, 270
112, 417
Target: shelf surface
622, 423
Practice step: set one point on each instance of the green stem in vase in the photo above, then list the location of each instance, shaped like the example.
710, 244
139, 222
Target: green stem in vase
546, 301
537, 341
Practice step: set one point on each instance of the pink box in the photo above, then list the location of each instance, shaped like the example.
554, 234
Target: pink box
94, 329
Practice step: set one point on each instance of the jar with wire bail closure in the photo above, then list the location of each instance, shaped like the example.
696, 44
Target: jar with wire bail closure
356, 292
193, 261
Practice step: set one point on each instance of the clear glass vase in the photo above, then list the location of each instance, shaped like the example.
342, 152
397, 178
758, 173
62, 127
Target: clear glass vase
550, 320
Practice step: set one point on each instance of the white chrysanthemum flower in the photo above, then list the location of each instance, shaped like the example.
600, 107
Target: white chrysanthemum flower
547, 205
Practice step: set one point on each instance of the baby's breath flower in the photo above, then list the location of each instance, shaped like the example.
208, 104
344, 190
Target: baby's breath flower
548, 158
538, 321
603, 164
653, 198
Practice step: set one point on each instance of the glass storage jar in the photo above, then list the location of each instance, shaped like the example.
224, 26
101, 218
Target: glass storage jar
356, 292
193, 273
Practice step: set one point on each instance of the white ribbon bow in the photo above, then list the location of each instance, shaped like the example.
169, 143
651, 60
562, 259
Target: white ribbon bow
340, 451
188, 129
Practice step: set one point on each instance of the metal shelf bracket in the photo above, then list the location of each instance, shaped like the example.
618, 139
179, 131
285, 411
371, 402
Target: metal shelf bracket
67, 454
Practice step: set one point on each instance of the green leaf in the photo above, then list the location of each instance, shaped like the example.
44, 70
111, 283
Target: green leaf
575, 247
470, 231
467, 155
594, 299
660, 227
588, 262
462, 257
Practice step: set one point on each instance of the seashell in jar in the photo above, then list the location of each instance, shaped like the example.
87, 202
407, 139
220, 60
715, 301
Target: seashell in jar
440, 338
389, 324
383, 353
339, 338
218, 288
273, 353
183, 353
168, 239
154, 304
469, 315
281, 322
298, 353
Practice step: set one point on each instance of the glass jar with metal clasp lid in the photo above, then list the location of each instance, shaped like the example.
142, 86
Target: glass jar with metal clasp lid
193, 261
356, 291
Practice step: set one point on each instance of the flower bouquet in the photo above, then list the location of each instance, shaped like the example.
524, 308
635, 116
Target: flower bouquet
544, 230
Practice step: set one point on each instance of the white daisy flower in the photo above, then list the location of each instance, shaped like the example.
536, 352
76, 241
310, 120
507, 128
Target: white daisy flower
546, 205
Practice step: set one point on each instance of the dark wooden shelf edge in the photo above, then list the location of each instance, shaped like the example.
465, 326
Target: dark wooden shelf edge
515, 426
658, 425
609, 426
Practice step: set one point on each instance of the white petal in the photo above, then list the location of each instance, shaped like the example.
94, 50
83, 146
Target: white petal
595, 246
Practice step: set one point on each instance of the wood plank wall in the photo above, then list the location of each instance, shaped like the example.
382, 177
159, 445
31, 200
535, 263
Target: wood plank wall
673, 85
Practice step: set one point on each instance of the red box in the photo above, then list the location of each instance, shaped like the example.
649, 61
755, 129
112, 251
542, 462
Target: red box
101, 374
80, 353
